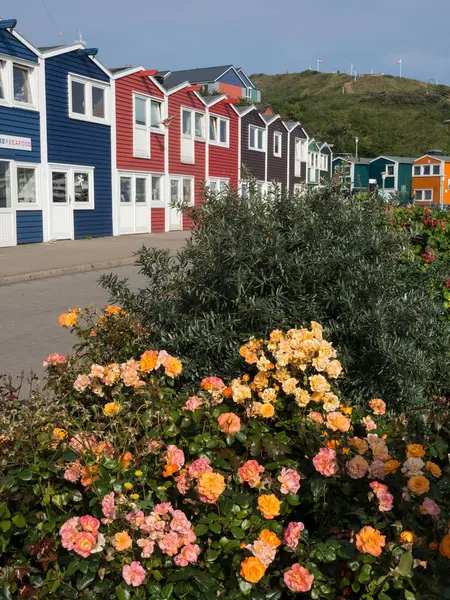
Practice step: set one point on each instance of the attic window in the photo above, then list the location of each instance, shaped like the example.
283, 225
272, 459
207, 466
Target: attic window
2, 85
87, 100
22, 87
390, 170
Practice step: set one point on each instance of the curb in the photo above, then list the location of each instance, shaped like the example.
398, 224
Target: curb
66, 270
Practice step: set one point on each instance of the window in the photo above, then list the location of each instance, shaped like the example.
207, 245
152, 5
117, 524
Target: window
156, 188
21, 84
5, 185
141, 134
2, 82
26, 185
277, 139
155, 114
125, 190
298, 189
141, 190
59, 187
260, 189
426, 169
187, 122
390, 170
423, 195
416, 170
87, 100
298, 157
218, 185
187, 191
218, 131
436, 169
256, 138
81, 188
98, 102
244, 189
199, 125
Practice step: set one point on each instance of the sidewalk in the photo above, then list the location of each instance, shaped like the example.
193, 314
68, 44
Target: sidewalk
38, 261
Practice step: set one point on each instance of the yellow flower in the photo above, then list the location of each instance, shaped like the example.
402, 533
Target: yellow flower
270, 538
391, 466
269, 395
347, 410
302, 397
252, 569
418, 485
128, 485
319, 383
113, 310
434, 469
149, 361
267, 411
415, 451
269, 505
172, 367
138, 473
408, 537
241, 393
111, 409
135, 496
68, 319
122, 541
334, 369
210, 486
59, 434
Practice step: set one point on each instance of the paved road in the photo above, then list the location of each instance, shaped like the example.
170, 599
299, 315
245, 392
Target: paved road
29, 328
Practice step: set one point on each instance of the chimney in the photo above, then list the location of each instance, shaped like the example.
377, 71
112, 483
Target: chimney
435, 152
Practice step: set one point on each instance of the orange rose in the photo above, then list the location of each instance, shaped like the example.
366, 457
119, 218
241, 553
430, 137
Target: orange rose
149, 361
370, 541
252, 569
444, 546
172, 367
415, 451
89, 474
122, 541
269, 505
336, 421
270, 538
126, 459
408, 537
68, 319
210, 486
267, 411
418, 485
229, 423
391, 466
170, 469
434, 469
378, 406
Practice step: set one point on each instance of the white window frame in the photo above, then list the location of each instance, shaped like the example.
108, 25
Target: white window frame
187, 138
202, 136
134, 176
221, 184
7, 64
299, 144
277, 136
256, 148
90, 172
26, 205
422, 199
161, 202
324, 162
218, 120
423, 170
432, 170
191, 180
89, 84
390, 170
145, 128
419, 167
156, 128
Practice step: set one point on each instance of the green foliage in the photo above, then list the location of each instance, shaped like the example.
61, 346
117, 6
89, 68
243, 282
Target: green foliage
379, 112
251, 266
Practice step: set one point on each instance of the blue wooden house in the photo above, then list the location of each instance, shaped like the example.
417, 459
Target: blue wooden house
21, 193
78, 143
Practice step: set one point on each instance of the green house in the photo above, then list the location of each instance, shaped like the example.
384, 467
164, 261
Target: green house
393, 176
354, 172
320, 162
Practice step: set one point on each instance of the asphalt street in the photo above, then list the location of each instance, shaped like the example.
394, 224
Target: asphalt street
29, 311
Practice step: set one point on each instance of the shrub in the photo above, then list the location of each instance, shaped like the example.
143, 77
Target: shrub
267, 487
251, 266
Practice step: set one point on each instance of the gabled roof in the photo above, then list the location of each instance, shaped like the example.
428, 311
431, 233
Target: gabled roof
49, 48
10, 25
439, 157
202, 75
353, 159
399, 159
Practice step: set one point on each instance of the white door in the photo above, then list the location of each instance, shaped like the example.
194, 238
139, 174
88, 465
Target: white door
7, 214
134, 209
175, 215
62, 210
187, 137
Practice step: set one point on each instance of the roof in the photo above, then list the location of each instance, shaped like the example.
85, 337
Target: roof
49, 48
400, 159
119, 69
353, 159
201, 75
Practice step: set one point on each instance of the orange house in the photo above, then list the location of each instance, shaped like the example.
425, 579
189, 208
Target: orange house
431, 180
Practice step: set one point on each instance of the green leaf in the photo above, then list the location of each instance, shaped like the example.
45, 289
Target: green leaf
318, 487
409, 595
404, 567
216, 527
201, 529
25, 475
365, 574
122, 593
245, 587
5, 525
383, 596
238, 533
230, 546
273, 595
167, 590
211, 555
19, 521
84, 581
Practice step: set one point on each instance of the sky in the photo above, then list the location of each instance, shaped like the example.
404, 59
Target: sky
258, 35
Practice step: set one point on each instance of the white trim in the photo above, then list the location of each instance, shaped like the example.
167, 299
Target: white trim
423, 200
63, 50
288, 161
178, 87
239, 145
206, 124
431, 165
264, 140
36, 167
88, 104
217, 141
25, 42
114, 186
188, 136
46, 204
225, 72
127, 72
33, 69
100, 66
278, 135
158, 85
71, 169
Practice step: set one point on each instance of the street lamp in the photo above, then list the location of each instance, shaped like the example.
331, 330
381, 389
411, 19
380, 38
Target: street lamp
356, 142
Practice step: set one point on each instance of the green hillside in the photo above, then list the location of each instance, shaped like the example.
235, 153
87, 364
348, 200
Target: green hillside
389, 115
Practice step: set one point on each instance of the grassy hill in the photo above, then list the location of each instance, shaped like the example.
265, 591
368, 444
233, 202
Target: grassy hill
389, 115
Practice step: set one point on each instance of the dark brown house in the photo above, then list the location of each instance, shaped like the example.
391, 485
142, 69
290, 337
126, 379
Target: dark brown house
277, 151
297, 156
253, 147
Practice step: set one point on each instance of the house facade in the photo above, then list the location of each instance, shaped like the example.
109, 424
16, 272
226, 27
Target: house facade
277, 158
222, 160
21, 100
354, 172
431, 180
393, 175
253, 148
325, 161
297, 162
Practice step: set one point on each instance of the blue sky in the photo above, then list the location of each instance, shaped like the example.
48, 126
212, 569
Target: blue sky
270, 37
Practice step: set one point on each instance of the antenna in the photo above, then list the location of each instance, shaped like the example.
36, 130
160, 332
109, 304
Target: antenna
80, 40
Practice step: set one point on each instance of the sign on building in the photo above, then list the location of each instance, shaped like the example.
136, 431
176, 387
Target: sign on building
11, 142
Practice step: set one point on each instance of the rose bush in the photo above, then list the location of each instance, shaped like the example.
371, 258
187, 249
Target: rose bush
267, 486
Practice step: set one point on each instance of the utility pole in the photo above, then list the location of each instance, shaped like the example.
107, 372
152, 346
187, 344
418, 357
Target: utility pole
356, 142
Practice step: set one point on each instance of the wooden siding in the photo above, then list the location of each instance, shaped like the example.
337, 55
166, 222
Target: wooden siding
277, 166
125, 87
187, 99
76, 142
253, 160
13, 47
29, 226
429, 183
224, 162
22, 123
298, 133
158, 222
231, 78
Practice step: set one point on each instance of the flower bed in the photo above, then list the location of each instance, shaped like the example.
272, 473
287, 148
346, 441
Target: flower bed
269, 487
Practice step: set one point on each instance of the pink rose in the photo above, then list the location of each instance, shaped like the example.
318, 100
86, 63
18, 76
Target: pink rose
147, 545
369, 423
357, 467
175, 456
316, 417
229, 423
292, 534
180, 523
54, 359
298, 579
84, 544
133, 574
325, 462
376, 470
290, 481
183, 481
386, 501
189, 554
109, 508
192, 403
73, 471
199, 466
90, 524
429, 507
163, 508
169, 544
249, 472
263, 551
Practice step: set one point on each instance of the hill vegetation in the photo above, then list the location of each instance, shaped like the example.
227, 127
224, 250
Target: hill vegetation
389, 115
